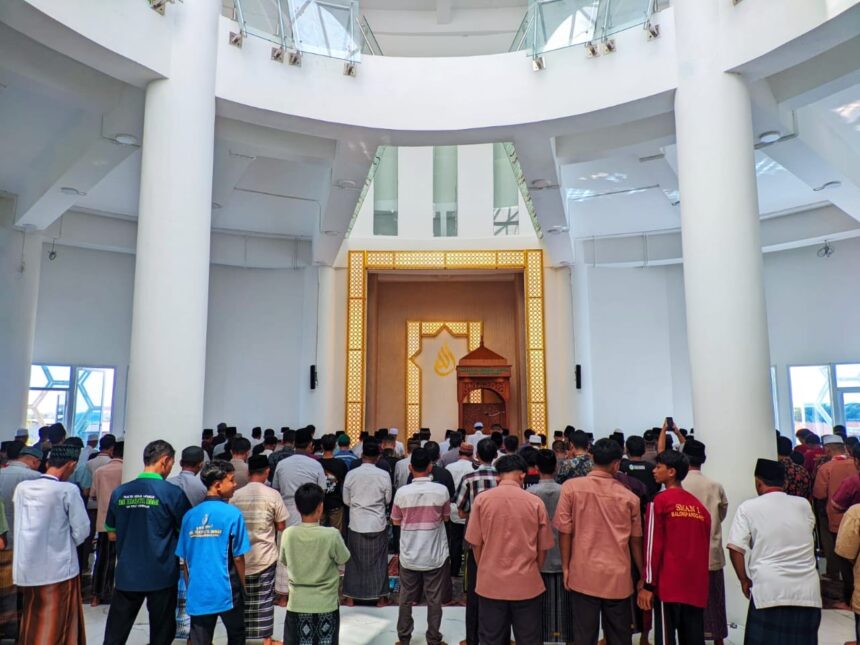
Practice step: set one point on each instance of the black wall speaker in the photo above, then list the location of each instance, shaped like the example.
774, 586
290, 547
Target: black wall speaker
578, 372
313, 377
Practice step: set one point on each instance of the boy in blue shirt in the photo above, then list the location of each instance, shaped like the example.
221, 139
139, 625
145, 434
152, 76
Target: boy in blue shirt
213, 544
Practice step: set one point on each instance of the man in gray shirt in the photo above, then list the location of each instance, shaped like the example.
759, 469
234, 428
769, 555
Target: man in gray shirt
556, 600
24, 465
451, 455
292, 472
191, 461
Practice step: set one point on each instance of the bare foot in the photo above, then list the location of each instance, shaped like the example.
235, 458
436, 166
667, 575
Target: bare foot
280, 601
348, 602
643, 640
841, 606
382, 602
94, 602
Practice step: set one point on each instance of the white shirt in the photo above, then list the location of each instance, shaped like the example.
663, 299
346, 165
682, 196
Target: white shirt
475, 438
367, 491
50, 522
776, 533
401, 473
457, 470
291, 473
444, 446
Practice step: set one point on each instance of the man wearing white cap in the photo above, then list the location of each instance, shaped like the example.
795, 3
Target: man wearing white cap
22, 435
476, 436
534, 440
398, 445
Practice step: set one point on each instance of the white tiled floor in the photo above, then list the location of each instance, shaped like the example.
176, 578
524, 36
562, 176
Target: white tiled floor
372, 626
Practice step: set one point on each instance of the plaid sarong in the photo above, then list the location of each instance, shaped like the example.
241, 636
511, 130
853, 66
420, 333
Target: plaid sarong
8, 600
366, 575
786, 625
260, 604
716, 625
556, 609
53, 614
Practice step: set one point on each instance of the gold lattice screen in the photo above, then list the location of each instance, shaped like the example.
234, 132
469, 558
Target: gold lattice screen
530, 261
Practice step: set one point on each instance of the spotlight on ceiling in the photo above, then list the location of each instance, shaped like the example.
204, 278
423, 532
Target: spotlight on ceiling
332, 233
827, 185
555, 230
69, 190
541, 184
591, 50
771, 136
350, 69
125, 139
608, 45
652, 29
279, 54
158, 5
294, 58
825, 251
216, 206
236, 39
346, 184
538, 64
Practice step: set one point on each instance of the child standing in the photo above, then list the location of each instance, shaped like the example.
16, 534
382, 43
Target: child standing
312, 554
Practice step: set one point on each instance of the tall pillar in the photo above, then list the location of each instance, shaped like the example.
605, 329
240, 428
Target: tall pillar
319, 346
726, 316
20, 265
171, 282
582, 339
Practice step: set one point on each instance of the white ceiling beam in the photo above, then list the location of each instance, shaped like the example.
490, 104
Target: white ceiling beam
79, 161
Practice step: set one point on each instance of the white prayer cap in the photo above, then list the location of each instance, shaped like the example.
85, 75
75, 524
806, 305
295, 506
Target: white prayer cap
21, 432
535, 440
393, 431
830, 439
478, 425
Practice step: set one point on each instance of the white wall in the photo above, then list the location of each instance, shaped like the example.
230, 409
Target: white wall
254, 374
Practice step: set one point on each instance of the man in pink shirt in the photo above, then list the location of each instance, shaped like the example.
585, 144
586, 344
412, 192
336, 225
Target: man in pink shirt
599, 521
107, 478
510, 534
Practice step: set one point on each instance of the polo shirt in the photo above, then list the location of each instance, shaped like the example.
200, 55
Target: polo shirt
510, 526
421, 508
146, 514
847, 495
212, 534
827, 482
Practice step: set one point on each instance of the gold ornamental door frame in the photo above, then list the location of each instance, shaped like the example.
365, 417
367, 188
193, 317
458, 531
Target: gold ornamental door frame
530, 261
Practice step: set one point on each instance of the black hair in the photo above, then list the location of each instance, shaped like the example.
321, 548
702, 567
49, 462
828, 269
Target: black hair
328, 442
856, 451
559, 445
371, 448
783, 446
381, 434
215, 471
528, 433
240, 445
529, 453
797, 458
498, 438
231, 432
580, 440
107, 442
606, 451
812, 439
13, 450
256, 432
675, 460
487, 450
269, 432
455, 439
56, 433
208, 432
270, 440
546, 462
308, 498
420, 459
118, 449
635, 446
74, 441
512, 442
155, 450
289, 436
840, 430
58, 462
363, 435
648, 436
511, 463
432, 449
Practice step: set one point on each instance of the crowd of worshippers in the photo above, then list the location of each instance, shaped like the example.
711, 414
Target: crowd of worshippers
554, 540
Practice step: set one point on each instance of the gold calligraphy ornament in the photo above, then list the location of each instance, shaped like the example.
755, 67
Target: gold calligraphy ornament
445, 361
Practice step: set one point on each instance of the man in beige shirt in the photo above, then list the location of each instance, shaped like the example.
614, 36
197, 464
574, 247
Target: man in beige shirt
105, 480
240, 450
265, 514
712, 495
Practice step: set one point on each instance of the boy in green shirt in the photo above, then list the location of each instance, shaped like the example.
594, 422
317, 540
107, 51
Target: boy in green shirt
312, 554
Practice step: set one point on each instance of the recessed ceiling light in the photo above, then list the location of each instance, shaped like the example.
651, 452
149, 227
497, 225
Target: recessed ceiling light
216, 206
346, 184
540, 184
557, 229
126, 139
69, 190
827, 185
332, 233
771, 136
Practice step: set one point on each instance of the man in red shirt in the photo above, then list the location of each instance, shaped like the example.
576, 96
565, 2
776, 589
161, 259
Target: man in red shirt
677, 549
510, 533
813, 454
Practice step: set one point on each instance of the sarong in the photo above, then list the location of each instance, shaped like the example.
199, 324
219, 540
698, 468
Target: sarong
8, 600
53, 614
556, 610
366, 575
312, 629
785, 625
716, 625
103, 571
183, 620
260, 604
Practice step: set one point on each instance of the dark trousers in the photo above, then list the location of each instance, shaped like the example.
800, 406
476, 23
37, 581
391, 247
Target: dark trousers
857, 627
203, 627
499, 616
674, 618
472, 606
846, 572
455, 546
413, 585
124, 607
589, 610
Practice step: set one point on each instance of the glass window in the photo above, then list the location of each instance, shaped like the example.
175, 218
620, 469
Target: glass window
385, 193
93, 400
811, 398
851, 412
774, 396
445, 191
848, 375
506, 194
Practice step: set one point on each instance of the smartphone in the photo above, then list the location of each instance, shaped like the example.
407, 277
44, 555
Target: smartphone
670, 423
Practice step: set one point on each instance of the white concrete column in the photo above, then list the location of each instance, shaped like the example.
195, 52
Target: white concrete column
319, 331
171, 283
726, 316
584, 408
20, 265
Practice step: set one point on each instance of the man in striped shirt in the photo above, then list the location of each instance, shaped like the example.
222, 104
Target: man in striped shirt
421, 510
473, 484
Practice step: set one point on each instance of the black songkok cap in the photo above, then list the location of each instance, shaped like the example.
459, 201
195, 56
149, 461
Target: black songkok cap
694, 448
65, 451
257, 463
303, 437
769, 470
192, 455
